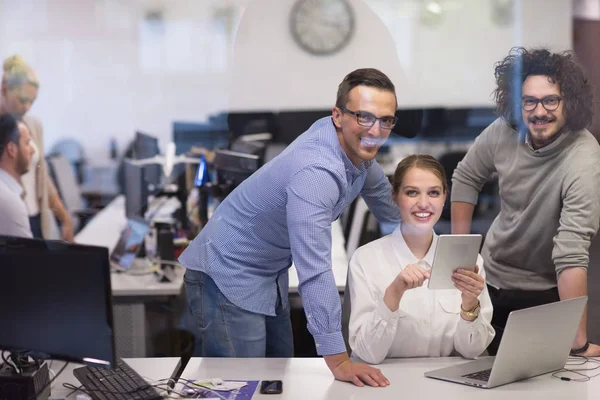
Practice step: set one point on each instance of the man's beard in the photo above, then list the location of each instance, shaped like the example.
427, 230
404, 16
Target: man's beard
546, 140
22, 164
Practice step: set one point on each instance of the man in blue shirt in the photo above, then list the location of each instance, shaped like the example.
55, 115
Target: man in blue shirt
237, 267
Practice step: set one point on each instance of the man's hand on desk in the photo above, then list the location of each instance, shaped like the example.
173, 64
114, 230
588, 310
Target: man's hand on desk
346, 370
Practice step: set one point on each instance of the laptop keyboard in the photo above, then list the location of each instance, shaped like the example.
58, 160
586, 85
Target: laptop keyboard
479, 375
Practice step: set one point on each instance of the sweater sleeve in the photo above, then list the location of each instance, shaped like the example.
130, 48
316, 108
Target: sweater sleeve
477, 166
579, 216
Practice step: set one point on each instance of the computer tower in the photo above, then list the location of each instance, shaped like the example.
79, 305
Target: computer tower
26, 385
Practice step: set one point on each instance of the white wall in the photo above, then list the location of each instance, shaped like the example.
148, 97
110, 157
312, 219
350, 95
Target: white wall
587, 9
106, 70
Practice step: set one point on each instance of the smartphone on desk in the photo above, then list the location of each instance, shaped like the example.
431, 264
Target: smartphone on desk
271, 387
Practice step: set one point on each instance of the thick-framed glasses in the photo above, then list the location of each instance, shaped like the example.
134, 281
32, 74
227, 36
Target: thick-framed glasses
550, 103
368, 120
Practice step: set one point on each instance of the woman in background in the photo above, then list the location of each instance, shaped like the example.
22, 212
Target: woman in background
18, 92
392, 313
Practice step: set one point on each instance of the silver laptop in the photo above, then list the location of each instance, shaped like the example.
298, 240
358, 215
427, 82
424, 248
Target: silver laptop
536, 341
130, 243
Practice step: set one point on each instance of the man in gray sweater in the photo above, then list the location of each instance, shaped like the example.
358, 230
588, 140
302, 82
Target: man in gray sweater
548, 165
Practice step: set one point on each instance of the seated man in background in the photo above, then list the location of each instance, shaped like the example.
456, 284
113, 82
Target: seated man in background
15, 156
392, 314
537, 249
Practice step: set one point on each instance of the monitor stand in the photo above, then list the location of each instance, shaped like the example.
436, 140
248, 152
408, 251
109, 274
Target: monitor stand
166, 273
32, 383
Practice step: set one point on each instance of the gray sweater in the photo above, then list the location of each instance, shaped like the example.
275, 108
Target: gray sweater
550, 208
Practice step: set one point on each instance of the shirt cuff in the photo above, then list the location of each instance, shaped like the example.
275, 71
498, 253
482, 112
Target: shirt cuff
330, 343
388, 315
471, 326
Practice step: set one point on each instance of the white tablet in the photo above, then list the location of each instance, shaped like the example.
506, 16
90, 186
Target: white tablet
452, 252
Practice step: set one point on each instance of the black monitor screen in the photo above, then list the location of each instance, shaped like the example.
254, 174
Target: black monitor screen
136, 190
291, 124
146, 146
56, 300
455, 124
191, 134
232, 168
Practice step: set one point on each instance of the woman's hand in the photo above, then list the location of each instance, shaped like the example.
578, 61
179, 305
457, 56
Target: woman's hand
412, 276
470, 284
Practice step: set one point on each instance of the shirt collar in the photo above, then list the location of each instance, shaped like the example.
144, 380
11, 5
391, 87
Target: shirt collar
405, 255
547, 148
350, 167
11, 182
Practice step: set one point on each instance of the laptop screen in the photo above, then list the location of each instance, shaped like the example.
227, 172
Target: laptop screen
130, 242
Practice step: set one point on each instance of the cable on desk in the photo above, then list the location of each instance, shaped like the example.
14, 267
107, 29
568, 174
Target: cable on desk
161, 384
578, 361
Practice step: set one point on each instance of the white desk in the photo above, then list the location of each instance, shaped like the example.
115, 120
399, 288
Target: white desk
104, 230
130, 292
309, 378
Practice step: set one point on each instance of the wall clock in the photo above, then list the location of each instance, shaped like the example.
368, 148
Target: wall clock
322, 27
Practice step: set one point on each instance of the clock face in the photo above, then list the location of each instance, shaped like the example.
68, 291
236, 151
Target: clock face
322, 27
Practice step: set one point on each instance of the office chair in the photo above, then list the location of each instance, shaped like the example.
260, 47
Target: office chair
359, 220
73, 151
68, 188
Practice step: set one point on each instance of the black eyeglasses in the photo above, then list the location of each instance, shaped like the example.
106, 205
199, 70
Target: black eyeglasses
368, 120
550, 103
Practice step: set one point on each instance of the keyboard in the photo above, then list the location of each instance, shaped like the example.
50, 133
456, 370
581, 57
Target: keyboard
480, 375
121, 383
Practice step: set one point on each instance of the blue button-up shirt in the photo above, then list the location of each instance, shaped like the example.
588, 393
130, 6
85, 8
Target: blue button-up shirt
283, 212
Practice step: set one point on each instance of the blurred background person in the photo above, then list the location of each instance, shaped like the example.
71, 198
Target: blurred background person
15, 159
19, 90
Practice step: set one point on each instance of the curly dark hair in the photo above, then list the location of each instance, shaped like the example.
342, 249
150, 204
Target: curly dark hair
561, 68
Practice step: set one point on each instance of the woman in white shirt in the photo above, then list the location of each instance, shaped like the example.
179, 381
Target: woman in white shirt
393, 314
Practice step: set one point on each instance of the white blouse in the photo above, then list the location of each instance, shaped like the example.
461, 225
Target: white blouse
427, 323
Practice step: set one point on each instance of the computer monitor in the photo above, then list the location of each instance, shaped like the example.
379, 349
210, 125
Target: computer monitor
146, 146
291, 124
193, 134
451, 124
136, 190
232, 168
55, 300
241, 123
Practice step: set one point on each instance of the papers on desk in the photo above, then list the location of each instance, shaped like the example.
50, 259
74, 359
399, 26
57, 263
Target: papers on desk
227, 390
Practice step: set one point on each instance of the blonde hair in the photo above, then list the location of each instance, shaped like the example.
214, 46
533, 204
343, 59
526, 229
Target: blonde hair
17, 73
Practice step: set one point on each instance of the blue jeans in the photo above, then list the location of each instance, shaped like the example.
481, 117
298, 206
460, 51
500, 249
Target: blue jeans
223, 329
